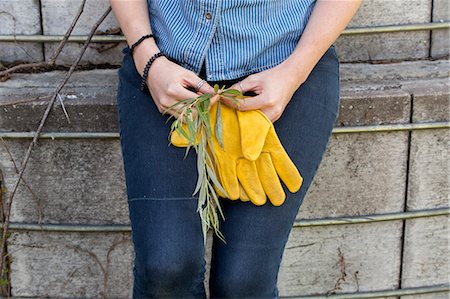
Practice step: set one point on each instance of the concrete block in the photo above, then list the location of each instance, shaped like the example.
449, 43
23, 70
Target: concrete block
20, 18
383, 47
361, 173
57, 16
373, 107
440, 39
425, 253
429, 169
71, 265
431, 100
341, 258
87, 97
429, 166
382, 12
387, 46
394, 73
67, 181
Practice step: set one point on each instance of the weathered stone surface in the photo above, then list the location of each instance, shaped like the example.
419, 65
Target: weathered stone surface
440, 39
67, 181
425, 254
341, 259
382, 12
370, 94
431, 100
89, 99
429, 170
56, 18
387, 46
20, 17
373, 107
394, 46
361, 173
399, 72
71, 265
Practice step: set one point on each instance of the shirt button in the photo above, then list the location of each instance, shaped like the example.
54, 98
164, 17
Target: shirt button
208, 16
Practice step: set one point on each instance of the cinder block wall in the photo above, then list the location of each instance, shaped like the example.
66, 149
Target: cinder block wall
80, 180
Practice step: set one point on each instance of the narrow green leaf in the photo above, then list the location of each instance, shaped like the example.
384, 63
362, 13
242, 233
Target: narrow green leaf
213, 177
232, 92
190, 125
187, 151
181, 102
181, 131
218, 125
216, 199
200, 165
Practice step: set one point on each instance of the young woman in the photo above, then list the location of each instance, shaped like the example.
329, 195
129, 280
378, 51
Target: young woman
280, 51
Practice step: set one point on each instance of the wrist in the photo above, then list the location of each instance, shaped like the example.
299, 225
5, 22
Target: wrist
295, 73
143, 52
147, 68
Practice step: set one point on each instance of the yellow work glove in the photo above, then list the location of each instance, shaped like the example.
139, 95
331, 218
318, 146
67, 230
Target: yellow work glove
273, 160
227, 157
252, 157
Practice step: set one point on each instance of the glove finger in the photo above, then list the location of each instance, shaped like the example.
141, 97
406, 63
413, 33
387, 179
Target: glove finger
217, 172
180, 140
284, 166
243, 196
253, 129
219, 193
248, 176
228, 176
269, 179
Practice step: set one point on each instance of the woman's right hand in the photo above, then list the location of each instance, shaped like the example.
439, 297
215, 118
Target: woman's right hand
169, 82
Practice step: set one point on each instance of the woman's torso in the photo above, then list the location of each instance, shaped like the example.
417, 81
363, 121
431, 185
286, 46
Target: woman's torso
233, 37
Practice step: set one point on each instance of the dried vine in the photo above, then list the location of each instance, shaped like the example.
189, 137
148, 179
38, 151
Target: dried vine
51, 62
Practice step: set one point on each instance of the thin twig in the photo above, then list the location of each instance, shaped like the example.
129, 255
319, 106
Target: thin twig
36, 136
61, 45
21, 101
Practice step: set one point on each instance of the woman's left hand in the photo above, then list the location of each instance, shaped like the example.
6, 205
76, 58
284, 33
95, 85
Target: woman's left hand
273, 87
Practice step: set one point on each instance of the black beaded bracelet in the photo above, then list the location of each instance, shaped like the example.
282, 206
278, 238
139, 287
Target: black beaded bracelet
147, 67
133, 46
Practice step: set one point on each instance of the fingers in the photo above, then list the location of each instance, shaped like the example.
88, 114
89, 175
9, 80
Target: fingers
243, 86
184, 90
205, 88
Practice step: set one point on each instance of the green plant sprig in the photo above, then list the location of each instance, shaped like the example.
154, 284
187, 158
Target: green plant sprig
199, 136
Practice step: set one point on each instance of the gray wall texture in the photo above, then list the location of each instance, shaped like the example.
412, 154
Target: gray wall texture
81, 181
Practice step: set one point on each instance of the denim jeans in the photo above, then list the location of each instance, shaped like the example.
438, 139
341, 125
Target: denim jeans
166, 228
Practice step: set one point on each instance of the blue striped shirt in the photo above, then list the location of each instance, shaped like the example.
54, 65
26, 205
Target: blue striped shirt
233, 37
